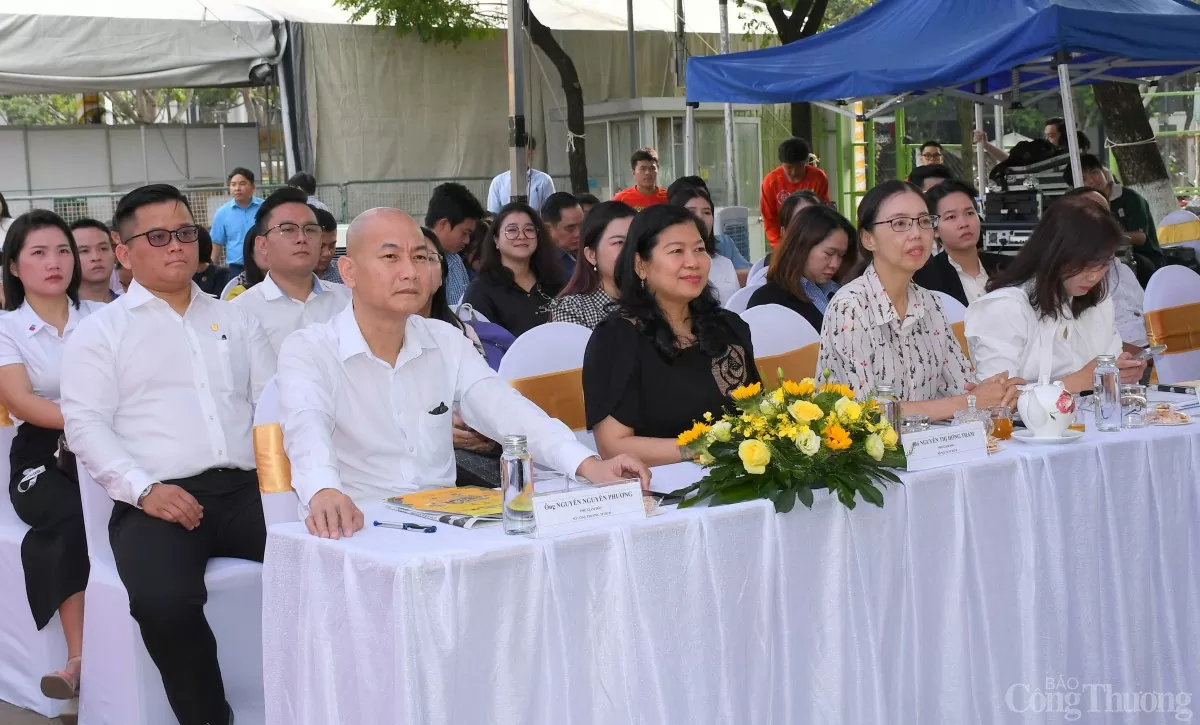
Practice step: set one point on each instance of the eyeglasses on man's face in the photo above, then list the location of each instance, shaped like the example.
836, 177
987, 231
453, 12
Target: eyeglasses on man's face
931, 155
291, 231
513, 232
905, 223
162, 237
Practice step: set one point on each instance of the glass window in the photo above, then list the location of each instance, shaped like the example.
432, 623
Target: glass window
710, 157
625, 140
597, 158
749, 164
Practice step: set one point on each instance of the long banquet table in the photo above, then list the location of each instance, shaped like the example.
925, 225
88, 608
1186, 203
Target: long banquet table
960, 601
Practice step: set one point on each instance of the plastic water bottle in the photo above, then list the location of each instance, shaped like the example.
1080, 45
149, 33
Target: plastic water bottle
889, 405
516, 486
1106, 393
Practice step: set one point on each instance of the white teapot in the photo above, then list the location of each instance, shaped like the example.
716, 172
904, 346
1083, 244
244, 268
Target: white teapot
1046, 408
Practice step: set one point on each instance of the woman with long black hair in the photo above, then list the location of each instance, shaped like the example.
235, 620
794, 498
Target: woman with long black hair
670, 354
591, 295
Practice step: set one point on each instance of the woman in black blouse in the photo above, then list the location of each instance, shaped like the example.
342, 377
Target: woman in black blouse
519, 273
817, 254
670, 354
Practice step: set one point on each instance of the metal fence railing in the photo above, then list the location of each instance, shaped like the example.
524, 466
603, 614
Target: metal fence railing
346, 200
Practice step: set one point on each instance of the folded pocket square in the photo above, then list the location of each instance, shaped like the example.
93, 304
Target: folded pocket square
439, 410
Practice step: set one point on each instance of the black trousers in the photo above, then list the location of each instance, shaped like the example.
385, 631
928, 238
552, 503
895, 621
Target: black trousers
162, 566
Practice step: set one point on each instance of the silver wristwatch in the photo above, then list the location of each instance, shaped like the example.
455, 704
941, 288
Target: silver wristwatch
145, 493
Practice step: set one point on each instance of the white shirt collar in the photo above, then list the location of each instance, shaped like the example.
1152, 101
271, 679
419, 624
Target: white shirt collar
137, 295
351, 341
271, 291
33, 323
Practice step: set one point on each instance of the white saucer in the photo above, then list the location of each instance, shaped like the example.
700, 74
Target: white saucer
1027, 436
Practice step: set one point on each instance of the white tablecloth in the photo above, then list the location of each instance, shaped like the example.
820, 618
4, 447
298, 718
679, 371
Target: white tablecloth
955, 603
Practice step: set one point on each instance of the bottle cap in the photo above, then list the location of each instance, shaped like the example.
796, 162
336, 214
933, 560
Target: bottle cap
515, 445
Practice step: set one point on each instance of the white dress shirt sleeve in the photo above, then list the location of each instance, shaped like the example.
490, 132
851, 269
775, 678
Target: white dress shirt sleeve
306, 413
997, 330
492, 407
493, 198
262, 357
1106, 329
89, 403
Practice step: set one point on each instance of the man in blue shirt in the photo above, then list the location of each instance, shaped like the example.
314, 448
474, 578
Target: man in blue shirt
538, 185
452, 215
236, 217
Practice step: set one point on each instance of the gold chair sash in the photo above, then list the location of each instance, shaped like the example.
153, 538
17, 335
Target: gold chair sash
1176, 327
1179, 233
960, 331
6, 420
796, 365
274, 468
560, 395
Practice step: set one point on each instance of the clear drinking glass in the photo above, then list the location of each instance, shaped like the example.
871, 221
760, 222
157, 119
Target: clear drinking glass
1002, 423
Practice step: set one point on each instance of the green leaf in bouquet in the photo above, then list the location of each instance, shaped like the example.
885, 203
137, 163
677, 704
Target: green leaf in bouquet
735, 494
784, 500
870, 493
805, 494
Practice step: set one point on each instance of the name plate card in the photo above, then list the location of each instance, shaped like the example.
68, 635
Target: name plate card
945, 446
592, 507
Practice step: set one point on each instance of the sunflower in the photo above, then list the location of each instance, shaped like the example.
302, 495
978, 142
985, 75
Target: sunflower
747, 391
836, 437
838, 388
692, 435
804, 387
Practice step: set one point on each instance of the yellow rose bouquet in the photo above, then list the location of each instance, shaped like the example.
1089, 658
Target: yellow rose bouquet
782, 443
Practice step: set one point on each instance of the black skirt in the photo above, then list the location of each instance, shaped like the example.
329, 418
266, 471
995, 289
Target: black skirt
45, 494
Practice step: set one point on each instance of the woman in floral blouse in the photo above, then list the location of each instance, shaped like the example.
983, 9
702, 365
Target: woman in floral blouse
882, 329
591, 295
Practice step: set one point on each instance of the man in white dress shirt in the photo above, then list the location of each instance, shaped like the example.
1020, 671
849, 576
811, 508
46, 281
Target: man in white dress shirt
367, 398
158, 393
538, 185
290, 296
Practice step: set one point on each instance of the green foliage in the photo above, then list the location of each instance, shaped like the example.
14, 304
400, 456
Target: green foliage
44, 110
434, 21
760, 27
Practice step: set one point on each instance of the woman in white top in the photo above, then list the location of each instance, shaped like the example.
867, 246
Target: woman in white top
882, 329
6, 219
721, 273
1049, 311
41, 291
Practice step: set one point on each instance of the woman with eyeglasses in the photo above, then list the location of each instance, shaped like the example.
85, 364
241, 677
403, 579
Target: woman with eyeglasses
961, 269
41, 291
882, 329
592, 293
519, 273
1052, 306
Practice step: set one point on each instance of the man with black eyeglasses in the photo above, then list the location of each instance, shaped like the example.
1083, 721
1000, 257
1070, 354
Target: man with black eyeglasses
932, 153
158, 393
290, 296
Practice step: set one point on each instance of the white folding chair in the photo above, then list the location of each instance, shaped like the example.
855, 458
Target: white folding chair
121, 684
465, 312
552, 349
758, 273
738, 301
279, 499
782, 339
1170, 287
25, 653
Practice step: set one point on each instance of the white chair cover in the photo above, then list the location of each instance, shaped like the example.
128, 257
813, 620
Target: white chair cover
738, 301
121, 684
774, 330
549, 348
467, 313
758, 270
955, 312
282, 507
1172, 286
25, 653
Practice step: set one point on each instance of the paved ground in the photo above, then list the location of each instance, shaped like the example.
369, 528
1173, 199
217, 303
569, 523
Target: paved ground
10, 715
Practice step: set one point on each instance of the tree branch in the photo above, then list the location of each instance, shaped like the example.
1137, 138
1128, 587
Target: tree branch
814, 18
789, 27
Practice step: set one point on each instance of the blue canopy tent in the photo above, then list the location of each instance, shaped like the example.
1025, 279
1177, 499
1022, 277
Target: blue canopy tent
981, 50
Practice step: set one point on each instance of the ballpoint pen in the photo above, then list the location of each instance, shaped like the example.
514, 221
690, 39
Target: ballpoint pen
406, 526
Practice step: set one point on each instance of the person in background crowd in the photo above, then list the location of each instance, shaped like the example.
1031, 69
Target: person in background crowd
6, 219
470, 253
158, 394
367, 441
722, 275
591, 295
725, 244
235, 218
882, 329
326, 269
587, 201
124, 276
519, 273
210, 278
254, 271
794, 173
307, 183
1132, 213
928, 176
793, 205
538, 185
290, 296
1052, 302
932, 153
1055, 132
435, 306
93, 241
645, 191
671, 354
41, 278
961, 269
453, 214
563, 215
818, 254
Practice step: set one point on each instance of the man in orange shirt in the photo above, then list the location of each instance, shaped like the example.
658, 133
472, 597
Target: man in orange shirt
645, 191
794, 174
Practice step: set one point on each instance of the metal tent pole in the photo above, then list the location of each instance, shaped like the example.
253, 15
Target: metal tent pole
980, 151
1068, 102
632, 54
689, 112
731, 195
516, 102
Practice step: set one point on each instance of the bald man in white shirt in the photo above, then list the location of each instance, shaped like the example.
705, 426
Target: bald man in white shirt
158, 392
367, 398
